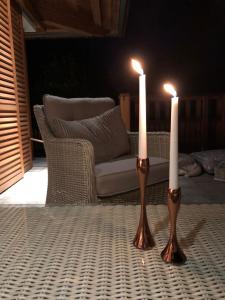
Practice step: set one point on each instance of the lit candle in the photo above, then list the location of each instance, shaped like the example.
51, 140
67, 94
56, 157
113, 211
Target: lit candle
142, 140
173, 167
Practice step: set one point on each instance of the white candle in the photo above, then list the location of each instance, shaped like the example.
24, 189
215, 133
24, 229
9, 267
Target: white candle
142, 138
173, 166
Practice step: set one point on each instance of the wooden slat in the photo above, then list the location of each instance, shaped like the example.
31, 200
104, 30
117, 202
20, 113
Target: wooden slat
8, 148
24, 121
23, 109
7, 73
12, 135
25, 136
8, 126
10, 159
17, 44
19, 55
5, 65
4, 43
4, 4
8, 107
26, 147
16, 39
7, 114
21, 85
6, 83
9, 154
6, 91
22, 94
23, 106
19, 64
10, 182
4, 23
4, 36
3, 12
5, 53
6, 97
8, 142
7, 132
20, 73
4, 29
3, 46
11, 176
9, 172
9, 165
7, 62
8, 120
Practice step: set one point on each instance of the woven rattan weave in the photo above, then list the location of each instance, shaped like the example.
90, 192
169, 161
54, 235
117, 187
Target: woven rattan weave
86, 252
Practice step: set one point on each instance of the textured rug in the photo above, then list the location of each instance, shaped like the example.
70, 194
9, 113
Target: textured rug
87, 253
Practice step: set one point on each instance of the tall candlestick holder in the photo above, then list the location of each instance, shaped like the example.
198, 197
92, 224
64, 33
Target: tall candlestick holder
143, 239
172, 252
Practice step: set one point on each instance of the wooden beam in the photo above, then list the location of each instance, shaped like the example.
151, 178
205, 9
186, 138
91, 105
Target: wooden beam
96, 11
31, 13
54, 27
80, 22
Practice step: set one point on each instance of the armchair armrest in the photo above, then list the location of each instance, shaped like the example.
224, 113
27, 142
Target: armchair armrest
71, 175
157, 143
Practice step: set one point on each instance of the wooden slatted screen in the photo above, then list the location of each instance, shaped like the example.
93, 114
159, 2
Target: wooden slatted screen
201, 119
11, 162
15, 149
22, 86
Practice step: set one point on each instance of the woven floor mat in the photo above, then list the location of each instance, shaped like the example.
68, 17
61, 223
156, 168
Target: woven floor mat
87, 253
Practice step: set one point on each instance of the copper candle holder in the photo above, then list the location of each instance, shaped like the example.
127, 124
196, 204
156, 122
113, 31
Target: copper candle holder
143, 239
172, 252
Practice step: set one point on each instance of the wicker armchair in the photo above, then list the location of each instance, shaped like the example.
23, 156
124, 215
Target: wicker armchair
71, 163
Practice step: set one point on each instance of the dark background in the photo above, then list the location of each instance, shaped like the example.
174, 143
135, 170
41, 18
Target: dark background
181, 41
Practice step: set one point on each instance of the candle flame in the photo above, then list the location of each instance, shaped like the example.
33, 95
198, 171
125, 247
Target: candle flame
137, 66
169, 88
143, 262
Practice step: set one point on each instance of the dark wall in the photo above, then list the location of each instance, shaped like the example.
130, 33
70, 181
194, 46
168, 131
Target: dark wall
76, 67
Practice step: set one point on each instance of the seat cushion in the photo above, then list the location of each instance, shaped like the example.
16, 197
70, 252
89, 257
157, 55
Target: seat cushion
120, 176
75, 108
106, 132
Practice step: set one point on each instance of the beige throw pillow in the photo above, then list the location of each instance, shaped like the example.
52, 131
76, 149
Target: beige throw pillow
106, 132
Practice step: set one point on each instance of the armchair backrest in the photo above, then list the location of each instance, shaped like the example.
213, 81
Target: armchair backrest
75, 108
68, 109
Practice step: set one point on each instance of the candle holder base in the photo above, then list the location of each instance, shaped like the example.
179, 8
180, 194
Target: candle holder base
172, 252
143, 239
